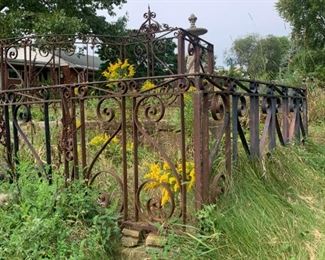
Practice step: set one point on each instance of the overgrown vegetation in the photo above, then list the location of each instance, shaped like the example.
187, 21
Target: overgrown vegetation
53, 221
273, 210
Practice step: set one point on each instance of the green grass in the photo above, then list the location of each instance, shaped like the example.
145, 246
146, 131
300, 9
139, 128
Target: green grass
274, 209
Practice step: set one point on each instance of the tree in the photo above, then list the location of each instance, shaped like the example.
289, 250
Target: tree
307, 19
19, 17
259, 57
308, 34
70, 17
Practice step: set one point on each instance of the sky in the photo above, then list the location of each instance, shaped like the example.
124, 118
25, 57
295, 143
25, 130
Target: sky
226, 20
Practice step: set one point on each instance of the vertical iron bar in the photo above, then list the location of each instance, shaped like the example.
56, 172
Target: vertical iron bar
4, 86
47, 140
181, 70
254, 121
64, 127
74, 136
25, 67
124, 162
305, 111
183, 154
272, 110
228, 136
210, 59
15, 134
235, 127
135, 159
8, 138
285, 116
83, 136
297, 121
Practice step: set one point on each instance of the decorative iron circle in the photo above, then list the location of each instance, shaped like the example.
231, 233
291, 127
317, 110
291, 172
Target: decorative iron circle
217, 107
153, 207
242, 106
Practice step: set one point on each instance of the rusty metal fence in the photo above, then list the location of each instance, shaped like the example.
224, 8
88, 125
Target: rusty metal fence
199, 120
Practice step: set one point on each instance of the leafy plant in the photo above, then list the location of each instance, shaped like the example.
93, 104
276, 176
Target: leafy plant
53, 221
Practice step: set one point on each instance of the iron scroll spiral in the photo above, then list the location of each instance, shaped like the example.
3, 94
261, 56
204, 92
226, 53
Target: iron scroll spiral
153, 110
153, 206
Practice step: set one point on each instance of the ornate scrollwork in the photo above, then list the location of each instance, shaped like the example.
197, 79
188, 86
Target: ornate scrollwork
217, 107
82, 91
44, 50
12, 52
133, 86
2, 130
69, 49
242, 106
160, 46
190, 49
23, 113
154, 108
160, 202
115, 191
150, 27
66, 91
67, 143
139, 51
105, 110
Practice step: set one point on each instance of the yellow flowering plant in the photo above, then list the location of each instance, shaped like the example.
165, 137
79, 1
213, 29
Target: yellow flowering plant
101, 139
162, 174
119, 70
147, 85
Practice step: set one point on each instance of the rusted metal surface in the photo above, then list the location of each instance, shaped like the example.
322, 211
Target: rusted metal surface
229, 115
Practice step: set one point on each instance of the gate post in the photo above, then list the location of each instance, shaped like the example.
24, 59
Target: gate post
201, 145
201, 135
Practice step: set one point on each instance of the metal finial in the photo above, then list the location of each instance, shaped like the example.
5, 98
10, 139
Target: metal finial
192, 20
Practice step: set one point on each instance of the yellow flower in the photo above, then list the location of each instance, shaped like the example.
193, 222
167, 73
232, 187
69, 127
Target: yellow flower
174, 183
125, 64
164, 178
129, 146
99, 139
147, 85
162, 174
78, 123
165, 197
119, 70
166, 166
192, 179
131, 71
115, 140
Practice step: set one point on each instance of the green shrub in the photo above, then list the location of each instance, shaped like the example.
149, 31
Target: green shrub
55, 222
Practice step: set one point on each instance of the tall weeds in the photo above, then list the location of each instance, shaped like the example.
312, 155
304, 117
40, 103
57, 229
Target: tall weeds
275, 209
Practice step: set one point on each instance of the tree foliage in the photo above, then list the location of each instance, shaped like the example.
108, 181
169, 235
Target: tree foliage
20, 17
308, 34
259, 57
307, 19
